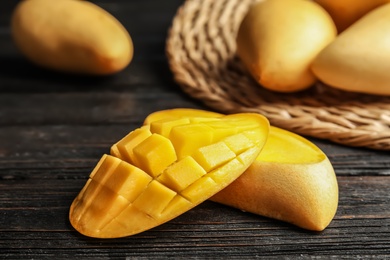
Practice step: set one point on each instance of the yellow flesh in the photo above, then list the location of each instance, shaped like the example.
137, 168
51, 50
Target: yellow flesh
161, 170
284, 147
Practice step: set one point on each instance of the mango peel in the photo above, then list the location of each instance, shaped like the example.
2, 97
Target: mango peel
164, 169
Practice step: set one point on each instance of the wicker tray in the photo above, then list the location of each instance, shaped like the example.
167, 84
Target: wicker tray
201, 53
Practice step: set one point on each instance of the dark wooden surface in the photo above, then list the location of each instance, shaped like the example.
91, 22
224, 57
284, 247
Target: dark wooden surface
55, 127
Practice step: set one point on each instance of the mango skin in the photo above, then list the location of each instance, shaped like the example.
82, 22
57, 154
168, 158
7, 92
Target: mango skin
277, 41
358, 60
71, 36
346, 12
292, 180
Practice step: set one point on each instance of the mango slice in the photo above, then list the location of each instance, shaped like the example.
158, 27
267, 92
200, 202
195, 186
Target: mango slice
291, 180
162, 170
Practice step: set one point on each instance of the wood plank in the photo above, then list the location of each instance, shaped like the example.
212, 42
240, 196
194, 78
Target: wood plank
37, 215
31, 146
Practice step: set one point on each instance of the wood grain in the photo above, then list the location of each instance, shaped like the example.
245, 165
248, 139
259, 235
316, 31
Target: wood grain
55, 127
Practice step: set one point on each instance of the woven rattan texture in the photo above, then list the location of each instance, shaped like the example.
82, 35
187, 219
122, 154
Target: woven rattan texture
201, 53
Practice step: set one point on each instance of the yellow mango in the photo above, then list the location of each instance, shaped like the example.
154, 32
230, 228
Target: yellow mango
358, 60
160, 177
346, 12
291, 180
71, 36
278, 39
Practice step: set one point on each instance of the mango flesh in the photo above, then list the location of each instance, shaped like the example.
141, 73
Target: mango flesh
151, 176
277, 41
346, 12
291, 180
71, 36
180, 113
358, 60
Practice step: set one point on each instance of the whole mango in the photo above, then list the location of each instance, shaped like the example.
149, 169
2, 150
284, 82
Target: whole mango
346, 12
71, 36
358, 60
278, 39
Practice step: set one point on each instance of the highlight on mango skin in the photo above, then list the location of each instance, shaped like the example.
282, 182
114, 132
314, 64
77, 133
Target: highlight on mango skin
164, 169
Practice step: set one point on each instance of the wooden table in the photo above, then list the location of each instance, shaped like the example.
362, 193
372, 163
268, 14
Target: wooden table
55, 127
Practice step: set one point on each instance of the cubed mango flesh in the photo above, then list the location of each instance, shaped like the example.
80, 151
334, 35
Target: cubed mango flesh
162, 170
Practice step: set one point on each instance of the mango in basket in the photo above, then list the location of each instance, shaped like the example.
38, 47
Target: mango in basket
346, 12
291, 180
164, 169
278, 40
358, 59
71, 36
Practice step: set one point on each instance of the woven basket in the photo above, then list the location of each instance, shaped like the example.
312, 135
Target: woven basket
201, 54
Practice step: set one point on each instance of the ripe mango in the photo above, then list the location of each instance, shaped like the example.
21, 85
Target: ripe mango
71, 36
278, 39
155, 174
358, 60
291, 180
346, 12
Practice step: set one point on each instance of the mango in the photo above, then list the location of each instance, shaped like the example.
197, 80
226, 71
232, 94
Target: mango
71, 36
358, 60
154, 175
346, 12
291, 180
278, 40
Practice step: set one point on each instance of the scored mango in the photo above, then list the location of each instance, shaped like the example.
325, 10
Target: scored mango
164, 169
291, 180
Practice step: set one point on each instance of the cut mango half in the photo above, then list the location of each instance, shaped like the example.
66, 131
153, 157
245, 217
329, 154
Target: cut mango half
291, 180
164, 169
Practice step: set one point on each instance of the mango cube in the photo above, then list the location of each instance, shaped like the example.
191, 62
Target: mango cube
154, 199
124, 148
214, 155
180, 175
188, 138
154, 154
164, 126
128, 181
